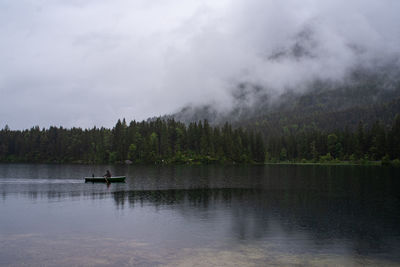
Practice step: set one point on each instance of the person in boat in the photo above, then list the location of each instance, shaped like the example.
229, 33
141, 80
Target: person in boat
108, 174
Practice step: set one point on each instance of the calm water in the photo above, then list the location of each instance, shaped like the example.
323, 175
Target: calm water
199, 216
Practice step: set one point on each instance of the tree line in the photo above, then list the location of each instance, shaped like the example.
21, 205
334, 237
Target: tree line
168, 141
157, 141
376, 142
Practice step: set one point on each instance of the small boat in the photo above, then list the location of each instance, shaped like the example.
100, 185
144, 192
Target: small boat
113, 179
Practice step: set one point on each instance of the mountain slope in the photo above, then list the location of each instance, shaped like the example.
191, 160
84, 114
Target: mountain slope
365, 95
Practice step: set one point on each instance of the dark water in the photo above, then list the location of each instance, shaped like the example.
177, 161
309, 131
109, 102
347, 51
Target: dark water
200, 216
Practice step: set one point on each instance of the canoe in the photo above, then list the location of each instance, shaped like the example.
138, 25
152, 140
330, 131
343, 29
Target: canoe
113, 179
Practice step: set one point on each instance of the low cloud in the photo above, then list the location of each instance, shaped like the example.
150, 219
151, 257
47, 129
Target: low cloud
75, 63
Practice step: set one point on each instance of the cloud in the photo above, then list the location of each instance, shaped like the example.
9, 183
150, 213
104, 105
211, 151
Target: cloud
75, 63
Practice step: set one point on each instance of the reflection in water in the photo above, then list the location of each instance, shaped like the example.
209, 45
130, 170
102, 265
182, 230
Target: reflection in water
284, 215
255, 213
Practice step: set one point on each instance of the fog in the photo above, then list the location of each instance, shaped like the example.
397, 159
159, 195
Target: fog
86, 63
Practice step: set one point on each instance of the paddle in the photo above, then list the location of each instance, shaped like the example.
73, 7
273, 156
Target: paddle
108, 174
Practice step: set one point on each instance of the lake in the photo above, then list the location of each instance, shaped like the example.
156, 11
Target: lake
200, 216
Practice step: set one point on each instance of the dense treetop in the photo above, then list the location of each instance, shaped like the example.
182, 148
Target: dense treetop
158, 141
168, 141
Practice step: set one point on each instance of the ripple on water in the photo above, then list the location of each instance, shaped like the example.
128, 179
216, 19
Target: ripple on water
40, 250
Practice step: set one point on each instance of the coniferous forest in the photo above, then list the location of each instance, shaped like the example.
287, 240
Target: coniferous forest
157, 141
168, 141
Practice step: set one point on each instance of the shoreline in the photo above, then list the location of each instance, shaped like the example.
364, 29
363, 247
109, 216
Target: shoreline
393, 163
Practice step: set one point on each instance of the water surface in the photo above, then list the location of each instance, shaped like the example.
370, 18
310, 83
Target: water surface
200, 215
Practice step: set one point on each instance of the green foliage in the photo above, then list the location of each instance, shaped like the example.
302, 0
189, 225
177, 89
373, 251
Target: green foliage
132, 152
396, 162
326, 158
168, 141
386, 160
364, 145
155, 142
283, 154
352, 158
112, 157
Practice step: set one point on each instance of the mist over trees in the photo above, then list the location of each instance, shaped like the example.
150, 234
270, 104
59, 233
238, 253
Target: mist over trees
167, 55
366, 95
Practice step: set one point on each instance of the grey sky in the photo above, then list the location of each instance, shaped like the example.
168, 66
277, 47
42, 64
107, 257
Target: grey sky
86, 63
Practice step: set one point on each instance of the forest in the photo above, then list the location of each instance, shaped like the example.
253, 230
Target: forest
365, 144
166, 141
149, 142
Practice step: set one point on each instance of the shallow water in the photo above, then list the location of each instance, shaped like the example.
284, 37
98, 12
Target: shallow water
200, 215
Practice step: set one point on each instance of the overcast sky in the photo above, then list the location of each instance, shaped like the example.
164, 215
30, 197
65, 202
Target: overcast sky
84, 63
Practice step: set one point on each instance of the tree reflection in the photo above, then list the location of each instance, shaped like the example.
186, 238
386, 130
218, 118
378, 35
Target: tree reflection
318, 204
258, 214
